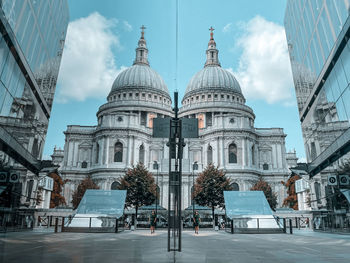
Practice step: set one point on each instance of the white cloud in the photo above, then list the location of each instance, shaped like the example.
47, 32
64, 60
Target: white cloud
302, 160
264, 70
227, 28
88, 68
127, 26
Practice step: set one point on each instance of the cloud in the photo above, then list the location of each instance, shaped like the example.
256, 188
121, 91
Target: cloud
302, 160
227, 28
264, 70
127, 26
88, 67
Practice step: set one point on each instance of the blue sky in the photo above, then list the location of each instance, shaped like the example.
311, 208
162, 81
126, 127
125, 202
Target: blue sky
102, 37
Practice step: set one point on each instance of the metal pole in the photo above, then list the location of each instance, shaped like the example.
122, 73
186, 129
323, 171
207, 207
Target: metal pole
56, 224
116, 226
157, 196
62, 229
290, 226
194, 167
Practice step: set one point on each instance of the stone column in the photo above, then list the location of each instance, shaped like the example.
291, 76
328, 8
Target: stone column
218, 151
243, 153
222, 153
107, 150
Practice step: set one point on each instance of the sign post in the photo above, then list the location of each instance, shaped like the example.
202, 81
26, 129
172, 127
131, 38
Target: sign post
176, 129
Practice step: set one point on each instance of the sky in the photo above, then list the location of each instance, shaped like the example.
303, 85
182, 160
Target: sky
102, 37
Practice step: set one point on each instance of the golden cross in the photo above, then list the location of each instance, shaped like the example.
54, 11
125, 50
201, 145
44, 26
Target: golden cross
211, 33
143, 30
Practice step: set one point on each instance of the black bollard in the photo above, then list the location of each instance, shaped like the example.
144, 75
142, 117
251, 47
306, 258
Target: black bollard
116, 226
56, 224
62, 229
290, 226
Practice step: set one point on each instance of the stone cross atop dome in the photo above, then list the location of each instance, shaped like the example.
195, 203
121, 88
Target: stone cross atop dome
212, 52
141, 50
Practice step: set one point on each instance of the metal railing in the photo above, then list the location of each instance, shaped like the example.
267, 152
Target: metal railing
16, 221
257, 225
109, 224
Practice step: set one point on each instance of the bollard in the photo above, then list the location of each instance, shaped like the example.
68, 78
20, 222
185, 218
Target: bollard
116, 226
232, 226
56, 224
90, 223
257, 223
284, 226
62, 227
290, 226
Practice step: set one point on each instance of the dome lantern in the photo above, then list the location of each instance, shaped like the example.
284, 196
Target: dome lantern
212, 78
141, 50
212, 52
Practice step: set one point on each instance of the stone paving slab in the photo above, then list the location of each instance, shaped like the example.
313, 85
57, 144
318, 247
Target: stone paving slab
141, 246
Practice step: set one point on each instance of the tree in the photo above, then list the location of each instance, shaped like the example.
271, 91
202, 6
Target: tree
209, 187
56, 198
80, 191
292, 199
344, 168
271, 197
140, 186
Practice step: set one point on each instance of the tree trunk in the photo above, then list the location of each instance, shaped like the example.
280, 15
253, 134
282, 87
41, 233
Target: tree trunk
212, 213
136, 209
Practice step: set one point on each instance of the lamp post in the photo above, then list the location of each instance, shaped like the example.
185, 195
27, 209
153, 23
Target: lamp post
194, 167
156, 167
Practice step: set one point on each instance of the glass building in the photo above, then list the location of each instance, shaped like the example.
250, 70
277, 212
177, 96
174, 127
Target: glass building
32, 35
317, 34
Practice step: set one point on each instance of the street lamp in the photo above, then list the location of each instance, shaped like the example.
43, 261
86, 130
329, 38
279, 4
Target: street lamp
194, 167
156, 167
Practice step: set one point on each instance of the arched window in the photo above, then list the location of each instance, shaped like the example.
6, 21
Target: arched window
141, 154
232, 153
118, 152
35, 148
253, 155
97, 152
115, 185
313, 151
265, 166
209, 155
318, 192
84, 164
235, 187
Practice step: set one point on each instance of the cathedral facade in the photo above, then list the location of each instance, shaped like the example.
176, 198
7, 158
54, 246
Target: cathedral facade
123, 135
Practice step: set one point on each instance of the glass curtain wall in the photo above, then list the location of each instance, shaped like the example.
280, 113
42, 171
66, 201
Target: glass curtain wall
317, 34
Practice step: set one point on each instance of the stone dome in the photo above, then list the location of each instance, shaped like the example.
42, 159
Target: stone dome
213, 78
139, 76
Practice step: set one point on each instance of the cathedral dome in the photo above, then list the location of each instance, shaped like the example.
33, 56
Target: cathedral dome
213, 77
140, 75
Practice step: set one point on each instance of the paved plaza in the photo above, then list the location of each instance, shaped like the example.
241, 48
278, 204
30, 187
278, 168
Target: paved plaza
141, 246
